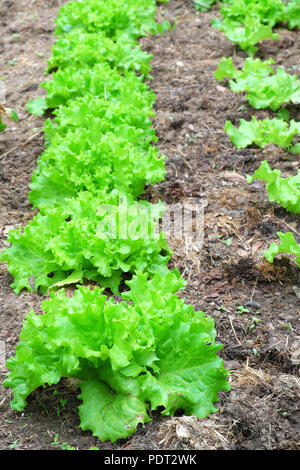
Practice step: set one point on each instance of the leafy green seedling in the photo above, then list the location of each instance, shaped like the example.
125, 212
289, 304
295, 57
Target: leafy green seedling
13, 444
37, 107
222, 308
13, 62
242, 309
13, 115
66, 446
204, 5
283, 114
63, 402
55, 441
195, 136
254, 323
142, 334
284, 191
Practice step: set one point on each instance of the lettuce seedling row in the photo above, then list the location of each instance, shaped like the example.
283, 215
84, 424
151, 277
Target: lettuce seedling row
246, 23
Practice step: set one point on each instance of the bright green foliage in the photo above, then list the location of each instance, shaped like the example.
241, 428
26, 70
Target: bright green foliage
102, 116
87, 238
156, 352
246, 22
253, 69
129, 357
80, 49
37, 107
267, 131
204, 5
117, 21
99, 104
284, 191
264, 87
99, 81
287, 245
9, 114
107, 161
293, 14
283, 114
246, 34
13, 115
2, 125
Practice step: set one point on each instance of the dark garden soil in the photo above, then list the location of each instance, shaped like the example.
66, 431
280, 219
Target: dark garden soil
261, 345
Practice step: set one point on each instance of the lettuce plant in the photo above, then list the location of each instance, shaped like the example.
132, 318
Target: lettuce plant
100, 81
101, 116
117, 21
287, 245
246, 22
87, 238
80, 49
108, 162
263, 132
204, 5
264, 87
2, 125
292, 14
284, 191
128, 359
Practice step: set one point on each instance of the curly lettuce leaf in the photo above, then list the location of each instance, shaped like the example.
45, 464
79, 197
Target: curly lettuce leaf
268, 11
79, 49
117, 21
263, 132
287, 245
292, 14
96, 238
100, 80
108, 163
284, 191
246, 34
248, 22
101, 116
128, 358
110, 416
252, 67
204, 5
37, 107
2, 125
264, 87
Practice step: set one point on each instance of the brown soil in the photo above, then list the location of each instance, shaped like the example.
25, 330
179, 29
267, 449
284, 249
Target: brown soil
261, 410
